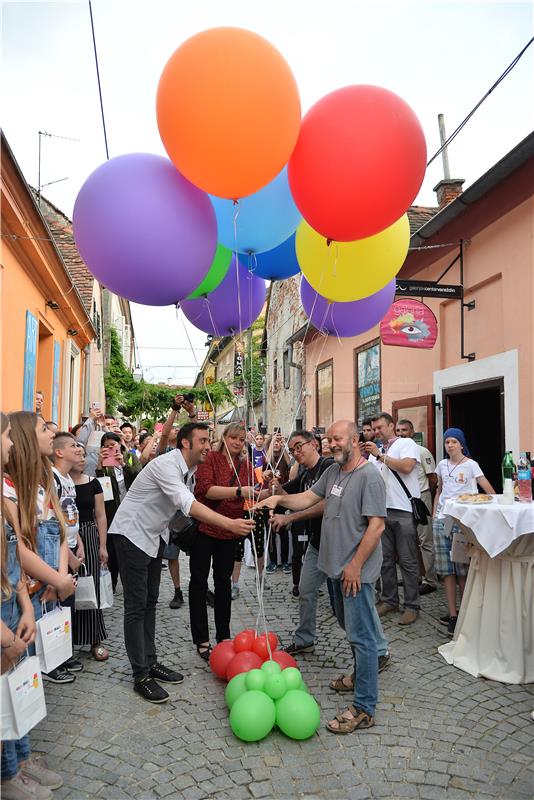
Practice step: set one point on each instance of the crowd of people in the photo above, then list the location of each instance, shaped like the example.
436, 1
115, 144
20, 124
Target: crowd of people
334, 508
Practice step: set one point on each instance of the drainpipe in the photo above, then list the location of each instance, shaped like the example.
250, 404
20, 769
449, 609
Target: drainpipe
87, 379
298, 336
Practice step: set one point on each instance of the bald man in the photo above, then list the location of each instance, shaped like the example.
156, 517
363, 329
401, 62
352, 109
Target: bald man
351, 555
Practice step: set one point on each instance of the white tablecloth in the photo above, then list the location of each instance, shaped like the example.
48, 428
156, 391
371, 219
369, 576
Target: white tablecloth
494, 635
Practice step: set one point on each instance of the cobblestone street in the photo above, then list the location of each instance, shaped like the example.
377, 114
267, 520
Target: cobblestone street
439, 732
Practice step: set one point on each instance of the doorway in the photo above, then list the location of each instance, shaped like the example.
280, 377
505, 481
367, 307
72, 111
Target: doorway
478, 409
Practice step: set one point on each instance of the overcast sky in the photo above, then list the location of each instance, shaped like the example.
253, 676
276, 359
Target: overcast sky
440, 57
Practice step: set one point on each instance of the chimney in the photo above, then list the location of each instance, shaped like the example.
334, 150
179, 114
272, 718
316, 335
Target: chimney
448, 190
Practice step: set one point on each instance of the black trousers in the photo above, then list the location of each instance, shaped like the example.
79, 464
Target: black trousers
207, 551
113, 563
140, 576
284, 546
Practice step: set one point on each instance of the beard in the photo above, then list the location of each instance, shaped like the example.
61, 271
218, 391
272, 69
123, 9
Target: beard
345, 455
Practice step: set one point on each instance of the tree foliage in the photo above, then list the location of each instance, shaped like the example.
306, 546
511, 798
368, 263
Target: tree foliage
145, 400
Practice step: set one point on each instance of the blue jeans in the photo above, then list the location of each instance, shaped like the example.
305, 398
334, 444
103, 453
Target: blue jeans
382, 642
13, 751
357, 616
311, 580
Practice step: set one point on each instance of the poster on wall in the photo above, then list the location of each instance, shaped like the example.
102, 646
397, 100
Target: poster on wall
368, 389
30, 362
409, 323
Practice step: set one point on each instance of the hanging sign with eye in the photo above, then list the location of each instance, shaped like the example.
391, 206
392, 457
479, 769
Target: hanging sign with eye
409, 323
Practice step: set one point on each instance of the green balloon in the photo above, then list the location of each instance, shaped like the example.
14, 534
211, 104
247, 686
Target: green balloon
252, 716
254, 680
275, 685
293, 678
271, 667
217, 271
297, 714
303, 688
235, 688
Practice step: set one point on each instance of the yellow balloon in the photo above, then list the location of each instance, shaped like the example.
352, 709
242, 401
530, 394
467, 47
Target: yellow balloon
345, 271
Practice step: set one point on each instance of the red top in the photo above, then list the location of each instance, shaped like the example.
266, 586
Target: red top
216, 471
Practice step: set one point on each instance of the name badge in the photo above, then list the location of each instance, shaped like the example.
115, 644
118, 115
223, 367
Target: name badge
336, 490
302, 537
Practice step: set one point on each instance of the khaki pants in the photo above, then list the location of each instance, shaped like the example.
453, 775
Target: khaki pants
426, 541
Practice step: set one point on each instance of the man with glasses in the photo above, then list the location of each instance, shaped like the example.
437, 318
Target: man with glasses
306, 535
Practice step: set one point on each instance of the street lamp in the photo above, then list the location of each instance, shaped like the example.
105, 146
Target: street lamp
137, 374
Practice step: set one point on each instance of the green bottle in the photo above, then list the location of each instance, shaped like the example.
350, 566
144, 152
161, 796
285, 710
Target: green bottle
508, 466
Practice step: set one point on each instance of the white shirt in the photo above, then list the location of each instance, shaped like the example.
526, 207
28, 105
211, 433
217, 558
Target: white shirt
426, 467
67, 500
396, 497
456, 479
164, 486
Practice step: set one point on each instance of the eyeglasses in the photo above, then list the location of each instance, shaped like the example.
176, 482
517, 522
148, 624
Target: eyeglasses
297, 448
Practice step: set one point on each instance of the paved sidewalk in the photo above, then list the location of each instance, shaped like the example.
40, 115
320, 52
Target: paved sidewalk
440, 733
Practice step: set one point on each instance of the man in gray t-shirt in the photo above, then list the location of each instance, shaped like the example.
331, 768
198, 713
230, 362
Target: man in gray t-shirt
351, 555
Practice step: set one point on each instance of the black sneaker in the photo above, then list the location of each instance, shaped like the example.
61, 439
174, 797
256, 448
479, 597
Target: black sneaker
210, 598
178, 599
162, 673
295, 648
72, 664
286, 568
452, 625
58, 675
151, 691
427, 588
444, 620
295, 591
270, 568
383, 662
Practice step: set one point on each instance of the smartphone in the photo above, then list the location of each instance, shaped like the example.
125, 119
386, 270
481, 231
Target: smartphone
320, 431
362, 438
263, 430
276, 430
112, 459
95, 405
158, 427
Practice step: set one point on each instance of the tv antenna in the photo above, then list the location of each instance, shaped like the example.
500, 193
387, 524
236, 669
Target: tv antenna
59, 180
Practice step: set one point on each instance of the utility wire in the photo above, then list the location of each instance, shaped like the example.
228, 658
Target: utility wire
455, 133
98, 78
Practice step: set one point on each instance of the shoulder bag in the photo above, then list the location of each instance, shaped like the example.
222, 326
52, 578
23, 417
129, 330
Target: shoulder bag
183, 529
419, 510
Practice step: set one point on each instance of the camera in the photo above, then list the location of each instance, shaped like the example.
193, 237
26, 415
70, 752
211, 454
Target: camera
320, 431
188, 398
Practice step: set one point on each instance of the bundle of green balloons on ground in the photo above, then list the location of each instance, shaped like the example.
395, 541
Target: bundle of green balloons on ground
262, 698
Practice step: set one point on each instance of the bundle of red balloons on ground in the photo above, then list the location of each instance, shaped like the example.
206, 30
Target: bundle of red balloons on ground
265, 688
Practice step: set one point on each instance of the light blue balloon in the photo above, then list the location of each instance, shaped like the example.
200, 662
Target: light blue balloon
276, 264
264, 219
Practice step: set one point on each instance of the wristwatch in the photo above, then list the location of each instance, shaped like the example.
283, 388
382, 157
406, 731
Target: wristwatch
238, 492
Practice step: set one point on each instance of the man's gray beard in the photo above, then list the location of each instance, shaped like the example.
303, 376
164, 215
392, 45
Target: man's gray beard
345, 456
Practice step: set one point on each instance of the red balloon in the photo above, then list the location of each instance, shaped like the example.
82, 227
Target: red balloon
359, 162
220, 657
242, 662
284, 659
244, 640
260, 645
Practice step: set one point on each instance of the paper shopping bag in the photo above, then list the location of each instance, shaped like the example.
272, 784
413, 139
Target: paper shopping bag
106, 589
85, 595
22, 698
107, 488
53, 642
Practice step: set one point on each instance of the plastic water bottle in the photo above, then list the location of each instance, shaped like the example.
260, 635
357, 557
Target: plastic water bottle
524, 479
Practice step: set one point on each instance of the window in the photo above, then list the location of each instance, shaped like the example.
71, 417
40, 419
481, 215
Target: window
287, 370
325, 394
368, 389
275, 373
421, 413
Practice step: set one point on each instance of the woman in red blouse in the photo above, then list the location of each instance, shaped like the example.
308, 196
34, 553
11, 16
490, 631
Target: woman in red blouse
221, 484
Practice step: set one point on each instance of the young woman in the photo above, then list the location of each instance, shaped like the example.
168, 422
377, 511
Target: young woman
278, 467
88, 626
30, 494
457, 474
221, 484
23, 775
122, 477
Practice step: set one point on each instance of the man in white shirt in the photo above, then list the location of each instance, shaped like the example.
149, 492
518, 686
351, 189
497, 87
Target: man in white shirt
428, 481
141, 533
399, 540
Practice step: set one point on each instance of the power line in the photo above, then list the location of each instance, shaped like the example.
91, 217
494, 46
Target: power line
98, 79
455, 133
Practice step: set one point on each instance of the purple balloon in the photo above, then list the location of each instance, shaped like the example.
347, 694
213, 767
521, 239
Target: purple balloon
143, 230
232, 307
346, 319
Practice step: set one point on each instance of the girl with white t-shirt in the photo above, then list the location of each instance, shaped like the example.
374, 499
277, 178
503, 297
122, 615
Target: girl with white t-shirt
457, 474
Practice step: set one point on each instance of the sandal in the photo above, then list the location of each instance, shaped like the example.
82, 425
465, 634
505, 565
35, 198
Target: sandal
358, 720
204, 651
99, 652
339, 685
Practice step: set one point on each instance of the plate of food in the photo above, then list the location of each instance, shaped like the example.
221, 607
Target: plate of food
474, 499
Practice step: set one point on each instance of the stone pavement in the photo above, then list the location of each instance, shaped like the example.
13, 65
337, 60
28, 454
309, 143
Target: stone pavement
440, 733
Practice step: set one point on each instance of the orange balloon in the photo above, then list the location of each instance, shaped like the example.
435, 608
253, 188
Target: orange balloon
228, 111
